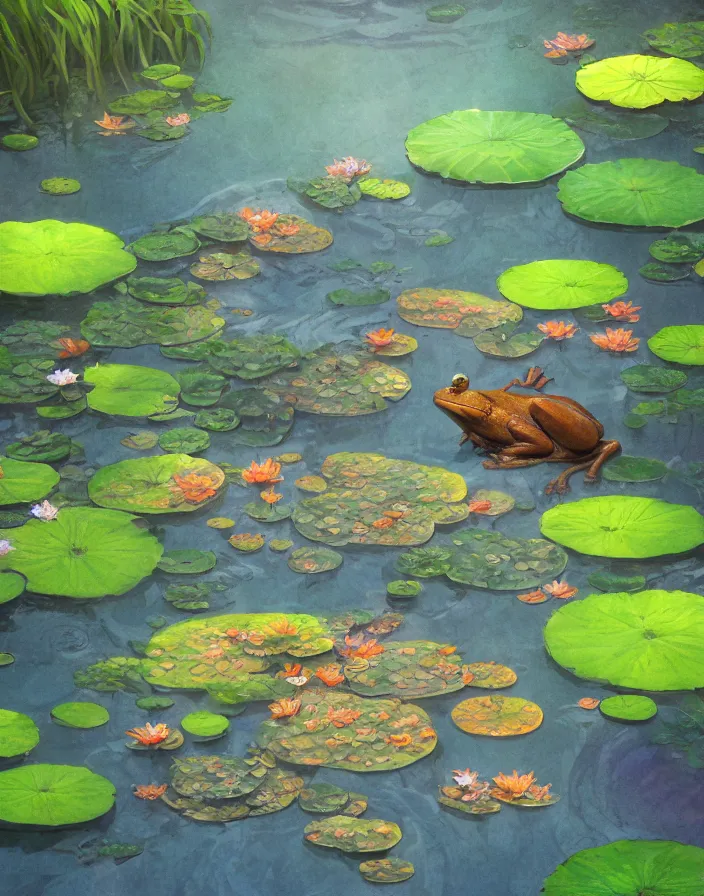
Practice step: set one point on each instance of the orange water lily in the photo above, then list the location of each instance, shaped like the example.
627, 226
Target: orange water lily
558, 330
533, 597
259, 220
282, 709
539, 793
266, 473
330, 675
149, 791
253, 637
175, 120
623, 311
72, 348
282, 627
616, 340
512, 787
379, 338
365, 650
270, 496
564, 43
399, 740
348, 168
479, 506
150, 735
588, 702
116, 124
195, 488
560, 589
342, 717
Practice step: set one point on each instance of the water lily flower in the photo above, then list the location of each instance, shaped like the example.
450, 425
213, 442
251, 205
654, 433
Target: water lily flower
616, 340
399, 740
342, 717
115, 124
560, 589
365, 650
44, 511
623, 311
514, 786
285, 229
259, 220
282, 709
560, 45
150, 735
270, 496
479, 506
533, 597
348, 168
330, 675
383, 522
195, 488
427, 732
538, 793
176, 120
62, 377
558, 330
256, 638
266, 473
72, 348
282, 627
149, 791
588, 702
5, 547
467, 778
379, 338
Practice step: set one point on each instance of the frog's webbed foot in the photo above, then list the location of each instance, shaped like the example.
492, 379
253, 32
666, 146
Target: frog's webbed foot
592, 464
535, 379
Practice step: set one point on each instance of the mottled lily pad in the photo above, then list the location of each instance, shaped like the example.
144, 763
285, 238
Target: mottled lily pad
40, 446
131, 391
682, 39
218, 420
205, 725
160, 246
350, 297
80, 715
26, 382
488, 675
501, 345
383, 189
165, 290
628, 708
169, 483
184, 440
53, 795
252, 357
60, 186
407, 669
18, 734
425, 562
314, 484
23, 482
279, 545
678, 248
328, 192
324, 799
20, 142
142, 101
162, 70
353, 834
223, 227
211, 102
265, 417
154, 704
664, 273
468, 313
308, 238
626, 468
608, 581
187, 562
648, 378
220, 266
200, 387
247, 542
190, 598
391, 870
400, 345
144, 440
403, 588
118, 673
439, 239
497, 716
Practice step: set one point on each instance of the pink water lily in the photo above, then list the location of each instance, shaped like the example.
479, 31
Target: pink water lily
467, 778
5, 547
44, 511
62, 377
348, 168
176, 120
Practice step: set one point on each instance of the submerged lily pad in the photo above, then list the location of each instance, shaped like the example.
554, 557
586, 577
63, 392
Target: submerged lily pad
169, 483
191, 598
407, 669
608, 581
165, 290
494, 147
649, 641
497, 716
187, 562
221, 266
41, 446
502, 345
562, 284
664, 273
80, 715
265, 418
626, 468
328, 191
53, 795
252, 357
82, 553
439, 239
161, 246
678, 248
308, 238
313, 560
205, 725
184, 440
639, 192
384, 189
628, 708
617, 125
624, 526
18, 734
444, 13
373, 499
349, 297
211, 102
648, 378
637, 82
682, 39
468, 313
23, 482
223, 227
60, 186
131, 391
682, 344
353, 834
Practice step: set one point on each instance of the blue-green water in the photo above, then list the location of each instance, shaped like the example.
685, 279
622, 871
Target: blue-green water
313, 81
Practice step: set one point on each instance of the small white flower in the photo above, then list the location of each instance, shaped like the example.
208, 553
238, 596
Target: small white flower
44, 511
62, 377
5, 547
298, 680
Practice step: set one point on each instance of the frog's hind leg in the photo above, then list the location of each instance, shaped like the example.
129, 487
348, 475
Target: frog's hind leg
535, 379
593, 463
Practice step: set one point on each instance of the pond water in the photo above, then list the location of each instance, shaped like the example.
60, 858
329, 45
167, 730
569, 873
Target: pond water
313, 81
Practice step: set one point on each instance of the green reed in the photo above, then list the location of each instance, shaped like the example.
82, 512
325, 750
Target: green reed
44, 42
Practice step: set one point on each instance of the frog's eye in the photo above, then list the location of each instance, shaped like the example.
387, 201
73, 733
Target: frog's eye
460, 382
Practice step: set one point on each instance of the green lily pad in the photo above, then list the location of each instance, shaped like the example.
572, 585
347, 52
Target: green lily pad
119, 673
252, 357
246, 542
80, 715
23, 482
20, 142
205, 725
177, 81
165, 290
81, 553
637, 82
626, 468
608, 581
200, 387
614, 124
279, 545
6, 659
328, 191
638, 192
631, 866
169, 483
218, 420
384, 189
160, 130
211, 102
18, 734
678, 248
142, 102
52, 258
223, 227
444, 13
664, 273
308, 238
425, 562
648, 641
468, 313
368, 489
131, 391
332, 381
503, 346
682, 39
489, 675
187, 562
144, 440
314, 484
247, 688
313, 560
53, 795
648, 378
63, 411
40, 446
406, 669
161, 246
494, 147
184, 440
323, 798
624, 526
394, 870
191, 598
497, 716
349, 297
59, 186
33, 339
630, 708
213, 777
153, 704
26, 382
562, 284
11, 586
157, 72
682, 344
221, 266
353, 834
500, 502
439, 239
265, 418
267, 513
402, 588
125, 322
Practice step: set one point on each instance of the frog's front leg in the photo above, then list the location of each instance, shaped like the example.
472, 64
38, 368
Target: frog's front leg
532, 446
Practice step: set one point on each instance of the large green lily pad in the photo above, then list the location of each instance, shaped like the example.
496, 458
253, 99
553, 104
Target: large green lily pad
265, 417
165, 290
639, 192
627, 867
332, 381
627, 468
497, 716
353, 834
408, 670
650, 641
682, 344
131, 391
80, 715
126, 322
367, 490
494, 147
83, 553
251, 357
23, 481
624, 526
308, 237
53, 258
223, 227
143, 101
612, 123
333, 738
169, 483
562, 284
648, 378
18, 734
682, 39
183, 655
53, 795
163, 246
468, 313
637, 82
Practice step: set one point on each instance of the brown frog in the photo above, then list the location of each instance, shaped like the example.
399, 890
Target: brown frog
523, 430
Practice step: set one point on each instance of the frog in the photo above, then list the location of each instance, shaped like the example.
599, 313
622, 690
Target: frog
525, 430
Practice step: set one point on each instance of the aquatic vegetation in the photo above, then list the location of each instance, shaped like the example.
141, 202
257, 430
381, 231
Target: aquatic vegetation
187, 562
468, 794
494, 147
648, 378
18, 734
42, 446
44, 511
115, 124
627, 468
588, 702
154, 737
609, 121
445, 13
349, 168
567, 43
558, 330
165, 245
356, 299
353, 834
314, 560
625, 311
20, 142
628, 708
685, 733
647, 641
405, 669
521, 790
80, 715
561, 284
59, 186
619, 340
149, 791
22, 481
560, 590
491, 675
497, 716
53, 796
682, 344
205, 725
384, 189
682, 39
638, 82
332, 191
467, 313
263, 474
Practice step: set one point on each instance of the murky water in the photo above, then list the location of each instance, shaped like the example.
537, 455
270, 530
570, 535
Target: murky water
314, 80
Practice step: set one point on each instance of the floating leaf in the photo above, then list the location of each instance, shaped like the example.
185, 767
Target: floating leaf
200, 387
18, 734
165, 290
142, 102
26, 382
489, 675
648, 641
353, 834
608, 581
626, 468
323, 798
187, 562
678, 248
402, 588
494, 147
265, 418
637, 82
205, 725
497, 716
53, 795
119, 673
315, 484
347, 264
191, 598
425, 562
407, 669
451, 309
144, 440
682, 39
614, 124
131, 391
328, 191
220, 522
211, 102
444, 13
624, 526
40, 446
160, 246
246, 542
11, 586
219, 420
313, 560
349, 297
6, 659
184, 440
252, 357
500, 502
224, 227
157, 72
24, 482
562, 284
220, 266
682, 344
664, 273
628, 708
503, 346
648, 378
384, 189
439, 239
308, 238
154, 704
178, 81
80, 715
20, 142
60, 186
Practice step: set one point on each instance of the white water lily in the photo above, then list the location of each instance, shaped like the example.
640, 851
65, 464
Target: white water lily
44, 511
62, 377
5, 547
